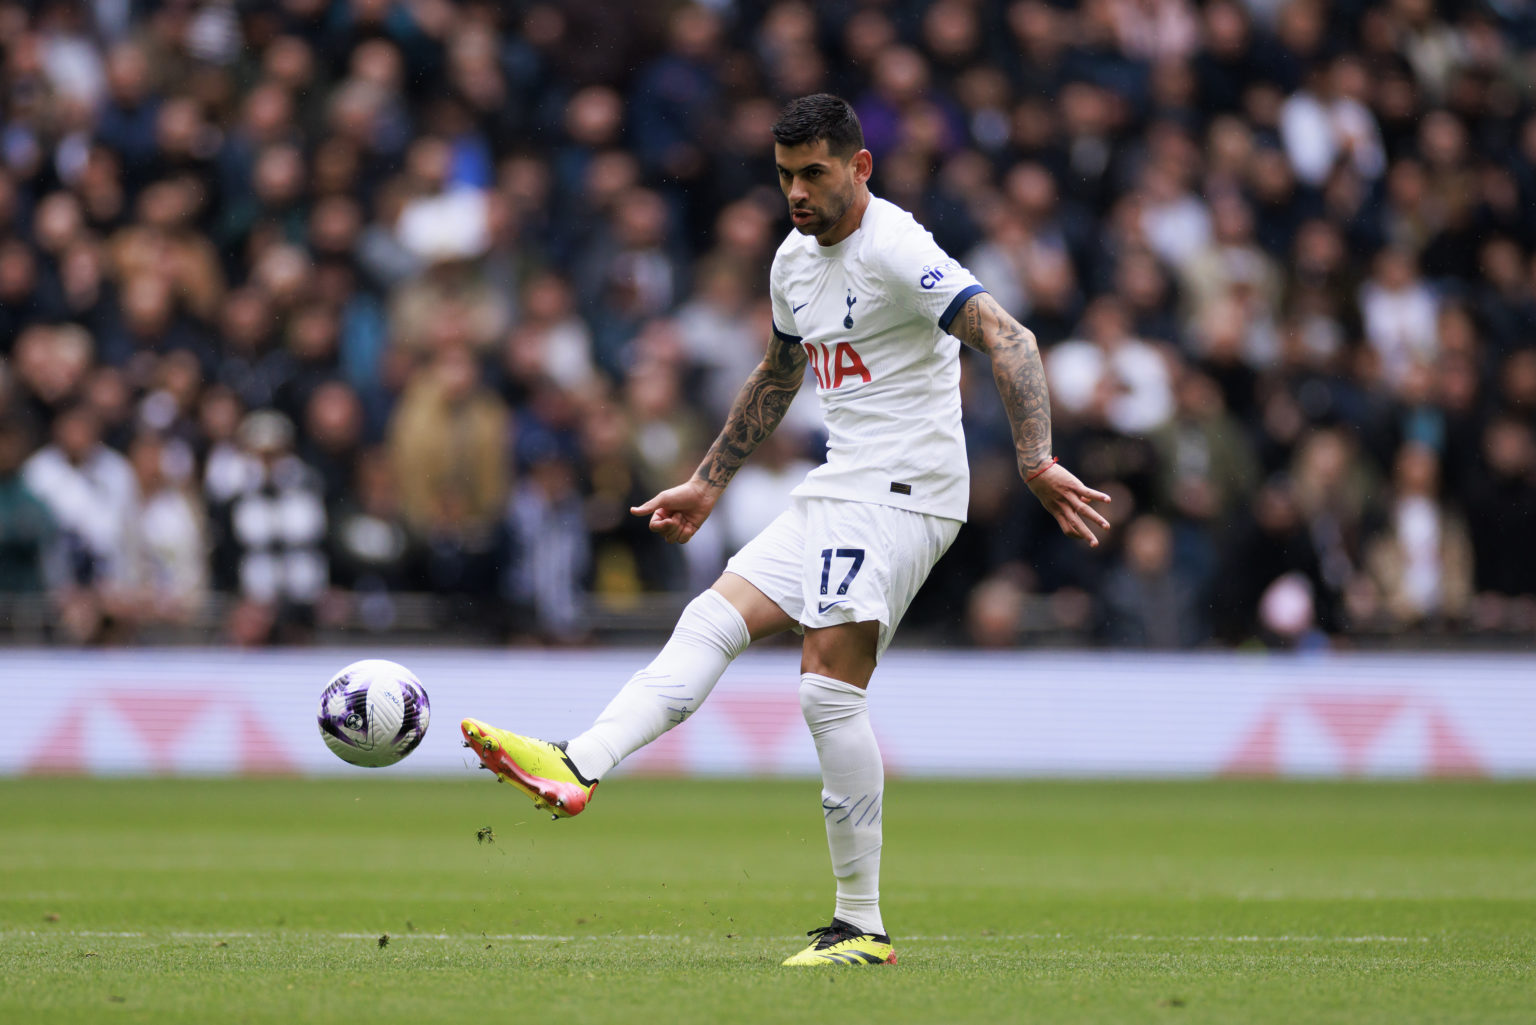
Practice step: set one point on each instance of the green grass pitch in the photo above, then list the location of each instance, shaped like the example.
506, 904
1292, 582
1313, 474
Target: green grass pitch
673, 902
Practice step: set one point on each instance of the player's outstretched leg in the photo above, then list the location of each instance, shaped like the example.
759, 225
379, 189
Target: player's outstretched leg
709, 634
852, 798
538, 768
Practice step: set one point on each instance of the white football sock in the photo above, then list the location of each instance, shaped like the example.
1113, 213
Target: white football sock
853, 790
709, 634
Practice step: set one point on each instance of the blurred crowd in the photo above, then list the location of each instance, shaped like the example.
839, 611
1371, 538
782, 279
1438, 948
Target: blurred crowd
318, 303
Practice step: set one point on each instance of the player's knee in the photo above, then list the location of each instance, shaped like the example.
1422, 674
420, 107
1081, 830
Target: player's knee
808, 703
828, 703
712, 620
845, 669
762, 616
845, 652
848, 670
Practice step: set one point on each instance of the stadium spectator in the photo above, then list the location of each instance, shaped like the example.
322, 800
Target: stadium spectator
626, 557
1501, 498
268, 536
1207, 470
91, 493
1271, 541
170, 577
1148, 601
1398, 311
27, 526
1333, 489
901, 108
454, 301
1326, 122
21, 302
50, 365
1233, 265
629, 273
1110, 366
374, 553
550, 545
450, 441
663, 432
333, 439
994, 613
677, 97
549, 342
715, 328
1421, 562
252, 363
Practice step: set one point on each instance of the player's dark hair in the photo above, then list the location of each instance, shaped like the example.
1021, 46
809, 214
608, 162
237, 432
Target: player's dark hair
820, 116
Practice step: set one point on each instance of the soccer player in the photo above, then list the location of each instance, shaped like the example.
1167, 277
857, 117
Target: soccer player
862, 294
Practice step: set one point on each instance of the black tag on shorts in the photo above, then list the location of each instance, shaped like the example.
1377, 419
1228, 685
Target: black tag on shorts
901, 489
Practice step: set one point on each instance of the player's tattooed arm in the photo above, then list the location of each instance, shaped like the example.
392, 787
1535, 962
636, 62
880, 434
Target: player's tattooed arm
1016, 368
758, 408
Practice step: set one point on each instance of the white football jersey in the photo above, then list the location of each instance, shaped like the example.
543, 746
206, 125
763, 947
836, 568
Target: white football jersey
873, 313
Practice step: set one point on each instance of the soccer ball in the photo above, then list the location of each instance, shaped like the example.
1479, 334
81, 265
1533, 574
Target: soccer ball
373, 713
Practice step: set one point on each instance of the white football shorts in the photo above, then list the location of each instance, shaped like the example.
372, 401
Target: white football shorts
826, 561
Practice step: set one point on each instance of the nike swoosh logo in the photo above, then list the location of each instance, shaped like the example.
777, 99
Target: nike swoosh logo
797, 309
822, 608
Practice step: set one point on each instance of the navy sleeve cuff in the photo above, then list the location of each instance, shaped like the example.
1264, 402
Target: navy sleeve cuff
781, 336
948, 316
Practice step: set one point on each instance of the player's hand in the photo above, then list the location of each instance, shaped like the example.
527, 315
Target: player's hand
1068, 499
678, 513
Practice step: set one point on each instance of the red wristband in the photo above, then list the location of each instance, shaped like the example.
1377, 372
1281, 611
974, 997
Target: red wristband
1047, 466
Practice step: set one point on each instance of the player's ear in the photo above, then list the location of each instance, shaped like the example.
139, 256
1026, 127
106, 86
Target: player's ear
863, 166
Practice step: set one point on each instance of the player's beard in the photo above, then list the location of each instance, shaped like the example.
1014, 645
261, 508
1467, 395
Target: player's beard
824, 217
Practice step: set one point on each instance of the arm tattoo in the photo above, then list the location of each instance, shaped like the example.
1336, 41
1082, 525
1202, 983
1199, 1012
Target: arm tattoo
1016, 368
758, 408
